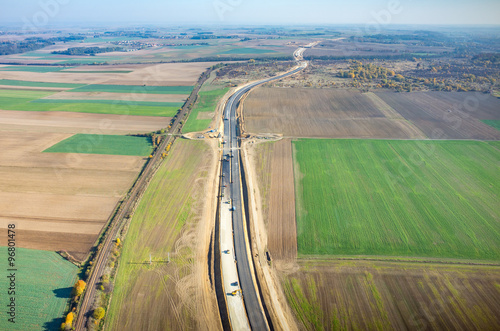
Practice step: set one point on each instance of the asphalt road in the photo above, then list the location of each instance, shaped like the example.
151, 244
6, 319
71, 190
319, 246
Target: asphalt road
232, 178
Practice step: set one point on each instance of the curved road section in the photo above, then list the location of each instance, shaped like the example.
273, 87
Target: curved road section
237, 273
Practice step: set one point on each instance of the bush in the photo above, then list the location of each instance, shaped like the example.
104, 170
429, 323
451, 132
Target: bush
99, 313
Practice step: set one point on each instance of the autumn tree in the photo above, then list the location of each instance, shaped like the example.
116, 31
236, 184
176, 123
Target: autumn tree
69, 319
99, 313
79, 288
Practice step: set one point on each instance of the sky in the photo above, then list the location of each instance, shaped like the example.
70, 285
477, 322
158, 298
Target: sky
269, 12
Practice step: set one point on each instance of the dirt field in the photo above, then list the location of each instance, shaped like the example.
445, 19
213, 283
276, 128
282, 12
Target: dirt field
23, 121
167, 74
58, 201
393, 296
444, 115
282, 229
323, 113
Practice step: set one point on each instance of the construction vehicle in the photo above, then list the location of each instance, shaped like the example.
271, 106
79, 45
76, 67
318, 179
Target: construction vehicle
235, 292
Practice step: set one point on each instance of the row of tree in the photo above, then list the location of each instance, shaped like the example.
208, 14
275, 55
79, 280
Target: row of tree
88, 50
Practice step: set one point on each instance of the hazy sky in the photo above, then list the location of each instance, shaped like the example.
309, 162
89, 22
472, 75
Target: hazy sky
45, 12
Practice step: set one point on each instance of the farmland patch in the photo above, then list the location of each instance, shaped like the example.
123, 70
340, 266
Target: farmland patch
10, 82
103, 144
206, 104
445, 115
399, 198
135, 89
323, 113
44, 281
345, 295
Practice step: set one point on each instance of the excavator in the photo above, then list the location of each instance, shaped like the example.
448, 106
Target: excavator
235, 292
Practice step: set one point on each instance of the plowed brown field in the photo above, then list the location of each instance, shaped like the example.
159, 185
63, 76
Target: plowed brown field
282, 236
79, 122
323, 113
444, 115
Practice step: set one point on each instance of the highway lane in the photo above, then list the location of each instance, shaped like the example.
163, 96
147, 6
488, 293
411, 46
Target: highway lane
232, 179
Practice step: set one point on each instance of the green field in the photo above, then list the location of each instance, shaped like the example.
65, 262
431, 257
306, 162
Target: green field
37, 84
398, 198
493, 123
113, 102
44, 281
207, 103
248, 51
136, 89
103, 144
31, 101
33, 68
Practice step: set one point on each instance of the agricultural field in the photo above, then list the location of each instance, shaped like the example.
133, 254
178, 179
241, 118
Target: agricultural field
9, 82
340, 295
119, 97
167, 223
44, 282
103, 144
247, 51
165, 74
274, 164
135, 89
35, 101
445, 115
398, 198
66, 122
61, 201
324, 113
203, 111
383, 292
33, 68
343, 48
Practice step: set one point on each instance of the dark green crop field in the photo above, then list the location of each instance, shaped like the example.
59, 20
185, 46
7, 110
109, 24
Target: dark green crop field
103, 144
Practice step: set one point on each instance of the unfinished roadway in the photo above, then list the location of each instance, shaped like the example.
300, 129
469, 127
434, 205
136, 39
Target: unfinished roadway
240, 286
